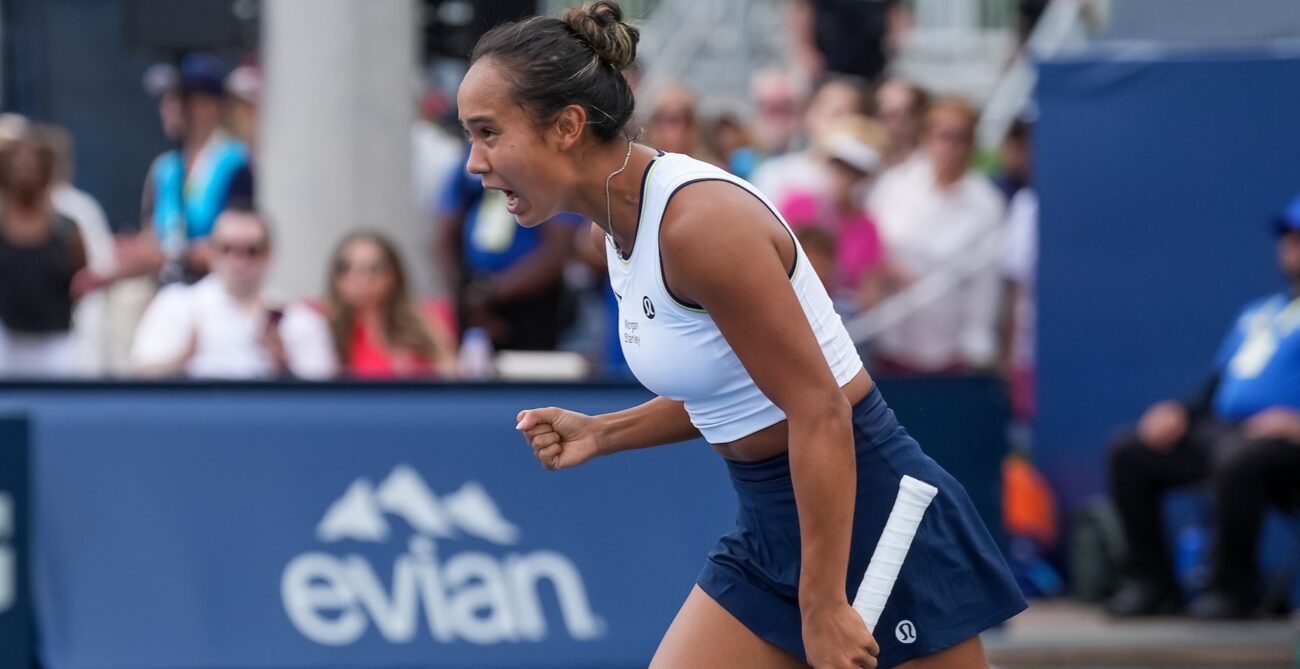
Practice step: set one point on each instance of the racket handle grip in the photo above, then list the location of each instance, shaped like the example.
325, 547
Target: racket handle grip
913, 499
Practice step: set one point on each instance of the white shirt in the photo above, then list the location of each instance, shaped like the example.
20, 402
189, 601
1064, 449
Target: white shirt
228, 335
1019, 260
676, 350
799, 171
927, 230
90, 315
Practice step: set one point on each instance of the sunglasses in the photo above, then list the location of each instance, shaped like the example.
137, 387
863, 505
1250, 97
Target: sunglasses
251, 251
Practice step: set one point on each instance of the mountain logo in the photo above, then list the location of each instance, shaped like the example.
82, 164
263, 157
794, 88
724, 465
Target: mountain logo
481, 597
359, 513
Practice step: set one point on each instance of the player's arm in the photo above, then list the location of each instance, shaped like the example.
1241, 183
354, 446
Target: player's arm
561, 438
656, 423
722, 249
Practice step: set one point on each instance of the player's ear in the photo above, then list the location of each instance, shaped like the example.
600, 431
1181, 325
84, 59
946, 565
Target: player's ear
570, 125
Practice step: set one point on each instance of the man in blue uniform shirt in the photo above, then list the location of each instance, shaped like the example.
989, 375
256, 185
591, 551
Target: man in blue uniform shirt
1242, 434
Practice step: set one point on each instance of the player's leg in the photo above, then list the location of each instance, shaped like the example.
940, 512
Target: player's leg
968, 654
705, 636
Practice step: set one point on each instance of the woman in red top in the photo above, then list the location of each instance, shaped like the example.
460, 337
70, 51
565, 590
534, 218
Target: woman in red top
379, 332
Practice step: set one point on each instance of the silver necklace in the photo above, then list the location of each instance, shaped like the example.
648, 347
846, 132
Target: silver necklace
609, 216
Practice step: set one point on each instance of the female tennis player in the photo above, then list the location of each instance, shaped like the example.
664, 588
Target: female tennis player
721, 315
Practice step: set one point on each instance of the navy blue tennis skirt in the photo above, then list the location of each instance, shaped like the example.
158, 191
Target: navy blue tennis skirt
954, 582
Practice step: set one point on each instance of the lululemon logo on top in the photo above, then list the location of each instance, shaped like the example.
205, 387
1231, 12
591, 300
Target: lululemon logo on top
648, 306
906, 631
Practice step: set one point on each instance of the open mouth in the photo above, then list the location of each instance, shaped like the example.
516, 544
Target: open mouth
512, 198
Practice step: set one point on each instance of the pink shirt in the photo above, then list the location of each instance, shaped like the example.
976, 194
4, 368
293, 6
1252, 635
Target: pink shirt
858, 248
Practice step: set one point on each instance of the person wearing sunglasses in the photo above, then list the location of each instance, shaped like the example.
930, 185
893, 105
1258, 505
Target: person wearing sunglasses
226, 325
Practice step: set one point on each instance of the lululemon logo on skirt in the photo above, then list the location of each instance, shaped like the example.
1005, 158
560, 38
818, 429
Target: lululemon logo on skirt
906, 631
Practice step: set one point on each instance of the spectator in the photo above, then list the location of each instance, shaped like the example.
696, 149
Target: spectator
225, 325
803, 170
1241, 433
726, 137
854, 37
939, 218
379, 331
1019, 260
673, 126
852, 148
901, 107
1014, 160
90, 317
40, 253
187, 188
779, 98
162, 81
508, 279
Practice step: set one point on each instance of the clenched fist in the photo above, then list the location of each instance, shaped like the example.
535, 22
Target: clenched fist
560, 438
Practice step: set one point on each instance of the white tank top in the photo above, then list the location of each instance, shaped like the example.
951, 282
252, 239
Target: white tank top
675, 349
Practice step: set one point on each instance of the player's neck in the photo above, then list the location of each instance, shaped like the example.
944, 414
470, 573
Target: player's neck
624, 204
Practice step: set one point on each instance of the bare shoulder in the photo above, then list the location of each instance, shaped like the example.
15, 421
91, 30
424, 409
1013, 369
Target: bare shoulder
717, 235
720, 216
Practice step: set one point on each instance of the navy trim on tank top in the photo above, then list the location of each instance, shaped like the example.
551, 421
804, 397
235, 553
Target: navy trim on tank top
664, 275
645, 177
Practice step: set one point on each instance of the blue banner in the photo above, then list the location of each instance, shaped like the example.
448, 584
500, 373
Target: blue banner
341, 526
1158, 174
15, 606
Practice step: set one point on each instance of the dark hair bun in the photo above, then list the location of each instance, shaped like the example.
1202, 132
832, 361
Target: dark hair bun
601, 27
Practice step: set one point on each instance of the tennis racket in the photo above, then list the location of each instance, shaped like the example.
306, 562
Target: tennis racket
913, 499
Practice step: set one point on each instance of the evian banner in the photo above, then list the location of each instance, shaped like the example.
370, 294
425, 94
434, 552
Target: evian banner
355, 528
490, 593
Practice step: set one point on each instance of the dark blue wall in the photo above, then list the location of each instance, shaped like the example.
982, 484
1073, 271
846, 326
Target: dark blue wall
66, 62
1157, 176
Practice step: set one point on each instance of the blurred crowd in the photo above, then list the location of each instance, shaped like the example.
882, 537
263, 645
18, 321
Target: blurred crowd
873, 174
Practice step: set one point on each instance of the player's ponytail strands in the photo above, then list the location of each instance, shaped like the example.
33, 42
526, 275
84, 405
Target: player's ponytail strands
577, 59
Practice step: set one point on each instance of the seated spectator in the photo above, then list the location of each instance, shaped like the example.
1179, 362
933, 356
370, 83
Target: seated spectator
225, 326
834, 98
901, 108
852, 149
379, 332
1014, 160
726, 137
40, 253
779, 99
1241, 433
674, 125
507, 279
941, 220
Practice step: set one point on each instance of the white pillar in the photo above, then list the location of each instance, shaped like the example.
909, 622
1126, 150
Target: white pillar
335, 137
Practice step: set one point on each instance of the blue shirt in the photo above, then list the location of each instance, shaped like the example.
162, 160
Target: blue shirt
1259, 361
493, 241
186, 205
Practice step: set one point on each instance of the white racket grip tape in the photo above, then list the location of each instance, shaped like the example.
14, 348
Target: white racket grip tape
913, 499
